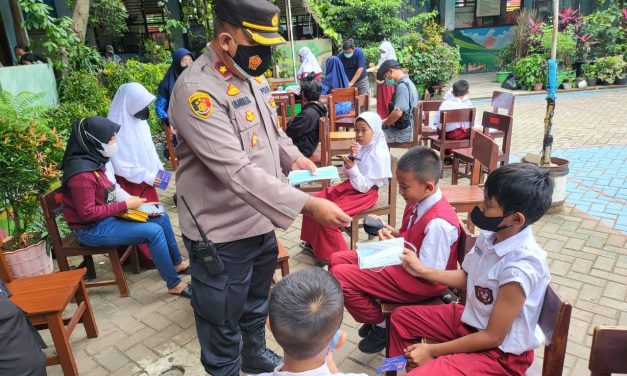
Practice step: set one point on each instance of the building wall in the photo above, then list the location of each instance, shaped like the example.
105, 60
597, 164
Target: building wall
5, 13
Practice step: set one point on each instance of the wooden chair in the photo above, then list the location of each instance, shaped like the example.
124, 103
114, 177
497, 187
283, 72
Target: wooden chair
453, 116
388, 209
169, 140
281, 113
501, 101
497, 124
421, 131
322, 156
483, 149
429, 108
607, 354
289, 101
343, 95
44, 299
282, 261
52, 206
363, 103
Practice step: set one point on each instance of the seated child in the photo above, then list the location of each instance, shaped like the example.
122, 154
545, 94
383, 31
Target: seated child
429, 223
506, 276
367, 168
305, 315
304, 128
455, 99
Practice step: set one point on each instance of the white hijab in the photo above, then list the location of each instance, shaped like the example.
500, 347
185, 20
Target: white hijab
309, 64
389, 53
137, 160
374, 159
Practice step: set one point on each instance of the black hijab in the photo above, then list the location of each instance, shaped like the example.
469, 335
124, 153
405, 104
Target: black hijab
82, 152
167, 84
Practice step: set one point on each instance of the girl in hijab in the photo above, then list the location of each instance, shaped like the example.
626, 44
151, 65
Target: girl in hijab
309, 64
91, 209
181, 59
335, 78
385, 92
367, 168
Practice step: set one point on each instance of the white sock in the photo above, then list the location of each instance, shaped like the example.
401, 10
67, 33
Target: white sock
381, 324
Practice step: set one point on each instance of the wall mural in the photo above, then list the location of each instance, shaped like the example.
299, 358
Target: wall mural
479, 47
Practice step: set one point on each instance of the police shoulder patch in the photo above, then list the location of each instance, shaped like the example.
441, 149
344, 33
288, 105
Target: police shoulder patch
200, 104
222, 69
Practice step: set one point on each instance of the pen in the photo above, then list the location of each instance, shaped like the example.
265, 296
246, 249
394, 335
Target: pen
143, 190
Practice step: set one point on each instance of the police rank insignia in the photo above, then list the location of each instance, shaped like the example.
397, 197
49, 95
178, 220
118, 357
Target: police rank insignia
253, 139
272, 103
484, 295
201, 105
259, 79
222, 69
232, 90
250, 116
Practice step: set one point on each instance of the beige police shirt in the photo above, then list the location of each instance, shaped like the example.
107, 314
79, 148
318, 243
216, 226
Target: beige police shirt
230, 154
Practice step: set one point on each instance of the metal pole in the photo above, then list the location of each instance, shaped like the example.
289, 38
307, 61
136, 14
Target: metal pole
547, 142
290, 34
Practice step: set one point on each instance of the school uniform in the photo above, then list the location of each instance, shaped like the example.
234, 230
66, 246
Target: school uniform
323, 370
371, 171
517, 259
433, 228
458, 130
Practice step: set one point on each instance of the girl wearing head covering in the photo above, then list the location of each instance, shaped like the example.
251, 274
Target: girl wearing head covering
91, 206
309, 64
385, 92
181, 59
368, 167
335, 78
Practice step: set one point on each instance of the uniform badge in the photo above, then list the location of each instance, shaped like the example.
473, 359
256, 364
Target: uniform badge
272, 103
254, 62
201, 106
275, 20
259, 79
250, 116
222, 69
253, 139
484, 295
232, 90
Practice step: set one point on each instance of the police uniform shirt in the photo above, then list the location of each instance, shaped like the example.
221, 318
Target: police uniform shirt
230, 154
517, 259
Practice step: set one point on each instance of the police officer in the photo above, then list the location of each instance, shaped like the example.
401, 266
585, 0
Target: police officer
231, 153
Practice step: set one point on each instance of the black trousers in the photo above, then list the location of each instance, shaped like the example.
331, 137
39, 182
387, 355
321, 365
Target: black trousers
235, 301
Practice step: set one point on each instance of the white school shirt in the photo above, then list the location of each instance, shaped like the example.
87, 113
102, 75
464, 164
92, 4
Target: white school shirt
361, 183
517, 259
440, 235
451, 104
320, 371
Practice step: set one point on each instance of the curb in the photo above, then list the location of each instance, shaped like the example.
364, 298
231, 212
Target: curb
561, 91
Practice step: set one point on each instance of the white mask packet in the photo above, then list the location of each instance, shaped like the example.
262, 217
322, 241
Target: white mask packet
380, 254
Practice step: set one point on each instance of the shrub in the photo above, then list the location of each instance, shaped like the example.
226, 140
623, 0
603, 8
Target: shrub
566, 45
611, 68
83, 87
531, 70
63, 116
589, 70
429, 64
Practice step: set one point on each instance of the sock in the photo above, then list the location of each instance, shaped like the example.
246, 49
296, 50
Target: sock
381, 324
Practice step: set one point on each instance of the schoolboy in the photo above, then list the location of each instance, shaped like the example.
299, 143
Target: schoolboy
455, 99
506, 276
304, 128
430, 224
305, 315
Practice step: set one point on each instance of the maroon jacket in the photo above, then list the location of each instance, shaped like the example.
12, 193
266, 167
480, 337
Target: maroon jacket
86, 199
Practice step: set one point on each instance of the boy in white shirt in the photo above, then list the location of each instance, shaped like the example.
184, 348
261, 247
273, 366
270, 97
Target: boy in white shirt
506, 276
455, 99
305, 314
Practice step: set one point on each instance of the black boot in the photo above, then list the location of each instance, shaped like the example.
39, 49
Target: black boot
256, 357
374, 342
364, 330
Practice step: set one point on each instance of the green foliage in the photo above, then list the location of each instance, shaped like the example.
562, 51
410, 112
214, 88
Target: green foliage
193, 13
566, 45
83, 87
28, 167
428, 63
64, 115
531, 70
522, 43
608, 29
372, 54
110, 16
611, 68
154, 52
589, 70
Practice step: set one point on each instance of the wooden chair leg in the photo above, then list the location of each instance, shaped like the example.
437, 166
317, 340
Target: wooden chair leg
285, 268
388, 323
62, 344
135, 260
455, 172
63, 264
116, 265
354, 233
88, 320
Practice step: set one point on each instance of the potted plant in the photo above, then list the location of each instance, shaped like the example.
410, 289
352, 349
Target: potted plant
531, 71
611, 68
569, 79
590, 73
28, 168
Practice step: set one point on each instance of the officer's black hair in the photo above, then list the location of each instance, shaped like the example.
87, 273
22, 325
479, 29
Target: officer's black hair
521, 187
460, 88
22, 46
311, 87
306, 310
424, 162
349, 44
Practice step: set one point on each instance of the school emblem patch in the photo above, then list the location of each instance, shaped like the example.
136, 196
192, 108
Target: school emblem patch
200, 104
484, 295
254, 62
222, 69
232, 90
253, 139
250, 116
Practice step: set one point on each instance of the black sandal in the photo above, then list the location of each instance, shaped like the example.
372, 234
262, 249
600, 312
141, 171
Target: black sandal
186, 292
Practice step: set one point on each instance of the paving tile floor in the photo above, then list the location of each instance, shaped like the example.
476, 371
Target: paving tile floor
152, 331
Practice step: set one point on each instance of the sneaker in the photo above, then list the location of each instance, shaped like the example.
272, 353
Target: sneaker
306, 246
364, 330
374, 342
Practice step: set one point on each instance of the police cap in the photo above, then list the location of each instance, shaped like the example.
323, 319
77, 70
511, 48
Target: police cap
258, 18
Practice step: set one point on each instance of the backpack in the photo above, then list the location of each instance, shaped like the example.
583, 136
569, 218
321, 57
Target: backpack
404, 121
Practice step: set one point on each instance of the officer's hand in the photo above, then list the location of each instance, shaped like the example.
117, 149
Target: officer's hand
303, 163
326, 212
134, 202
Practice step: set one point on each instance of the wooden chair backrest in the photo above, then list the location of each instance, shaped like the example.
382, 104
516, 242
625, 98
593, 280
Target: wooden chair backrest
466, 115
325, 100
554, 322
363, 103
609, 347
52, 206
5, 271
427, 108
346, 95
282, 114
504, 101
417, 113
464, 244
289, 99
325, 142
503, 123
486, 153
393, 190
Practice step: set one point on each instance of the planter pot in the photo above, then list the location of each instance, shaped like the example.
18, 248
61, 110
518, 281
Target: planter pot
591, 81
558, 171
30, 261
502, 76
537, 86
566, 86
581, 83
621, 81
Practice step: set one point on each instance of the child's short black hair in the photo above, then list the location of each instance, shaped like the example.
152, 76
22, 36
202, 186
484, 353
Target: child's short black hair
21, 46
460, 88
424, 162
311, 87
306, 310
521, 187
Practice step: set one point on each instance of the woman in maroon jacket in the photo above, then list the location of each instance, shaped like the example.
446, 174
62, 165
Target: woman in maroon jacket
90, 209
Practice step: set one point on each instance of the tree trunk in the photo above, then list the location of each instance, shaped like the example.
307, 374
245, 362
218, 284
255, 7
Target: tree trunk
16, 13
80, 17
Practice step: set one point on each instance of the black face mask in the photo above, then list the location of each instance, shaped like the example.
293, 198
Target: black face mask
143, 114
252, 60
486, 223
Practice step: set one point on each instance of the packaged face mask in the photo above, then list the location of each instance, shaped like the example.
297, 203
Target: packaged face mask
380, 254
